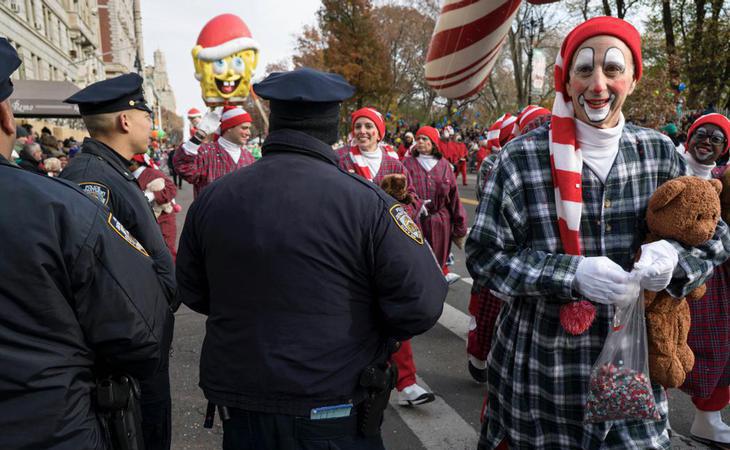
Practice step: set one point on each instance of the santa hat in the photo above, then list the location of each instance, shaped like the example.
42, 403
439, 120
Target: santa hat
502, 131
714, 119
194, 113
530, 113
372, 114
565, 156
224, 35
233, 116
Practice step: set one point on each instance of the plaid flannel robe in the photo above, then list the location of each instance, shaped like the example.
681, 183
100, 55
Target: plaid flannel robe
537, 373
211, 163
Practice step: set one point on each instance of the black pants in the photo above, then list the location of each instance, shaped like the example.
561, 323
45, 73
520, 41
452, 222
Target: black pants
259, 431
155, 401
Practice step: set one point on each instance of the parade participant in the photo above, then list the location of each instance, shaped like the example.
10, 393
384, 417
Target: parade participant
544, 242
709, 335
531, 117
368, 160
323, 297
443, 219
459, 156
194, 117
404, 149
160, 191
119, 123
201, 163
482, 152
80, 297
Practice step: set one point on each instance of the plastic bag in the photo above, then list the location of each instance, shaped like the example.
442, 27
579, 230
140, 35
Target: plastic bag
619, 387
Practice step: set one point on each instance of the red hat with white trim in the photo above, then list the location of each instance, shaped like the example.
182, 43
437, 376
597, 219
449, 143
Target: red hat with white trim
224, 35
233, 116
194, 112
719, 120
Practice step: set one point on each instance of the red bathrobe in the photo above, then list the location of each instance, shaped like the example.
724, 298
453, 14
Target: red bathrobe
165, 220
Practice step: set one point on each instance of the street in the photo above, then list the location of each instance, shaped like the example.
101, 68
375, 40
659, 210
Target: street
451, 422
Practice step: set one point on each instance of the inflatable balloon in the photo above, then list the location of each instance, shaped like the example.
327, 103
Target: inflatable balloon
466, 41
681, 87
225, 57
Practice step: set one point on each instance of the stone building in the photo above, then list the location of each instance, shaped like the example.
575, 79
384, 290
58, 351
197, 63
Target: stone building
120, 24
57, 40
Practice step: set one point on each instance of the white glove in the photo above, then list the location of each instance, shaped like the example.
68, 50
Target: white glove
424, 212
603, 281
156, 185
656, 265
209, 123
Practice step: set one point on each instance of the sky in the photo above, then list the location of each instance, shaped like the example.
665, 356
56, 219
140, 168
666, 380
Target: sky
173, 27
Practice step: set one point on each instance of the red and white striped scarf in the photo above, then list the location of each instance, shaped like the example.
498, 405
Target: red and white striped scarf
358, 161
505, 124
566, 161
388, 150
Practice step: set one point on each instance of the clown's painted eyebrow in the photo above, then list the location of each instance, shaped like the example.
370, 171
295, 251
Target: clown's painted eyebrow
614, 57
584, 60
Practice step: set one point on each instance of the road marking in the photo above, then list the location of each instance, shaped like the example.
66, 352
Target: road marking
469, 201
436, 424
455, 321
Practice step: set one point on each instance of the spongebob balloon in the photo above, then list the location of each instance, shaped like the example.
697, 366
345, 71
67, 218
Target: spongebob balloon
225, 58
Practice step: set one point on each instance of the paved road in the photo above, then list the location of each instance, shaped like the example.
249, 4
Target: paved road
451, 422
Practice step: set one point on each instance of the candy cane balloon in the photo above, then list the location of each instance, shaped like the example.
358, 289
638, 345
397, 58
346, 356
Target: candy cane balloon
468, 37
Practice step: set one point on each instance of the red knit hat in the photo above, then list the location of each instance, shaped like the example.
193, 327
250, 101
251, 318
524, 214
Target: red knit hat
193, 113
372, 114
714, 119
232, 116
598, 26
431, 133
530, 113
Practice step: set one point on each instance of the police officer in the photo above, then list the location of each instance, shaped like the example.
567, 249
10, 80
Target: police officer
79, 296
119, 123
305, 273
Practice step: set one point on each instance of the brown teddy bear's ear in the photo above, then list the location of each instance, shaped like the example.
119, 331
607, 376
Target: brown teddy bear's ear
666, 193
716, 184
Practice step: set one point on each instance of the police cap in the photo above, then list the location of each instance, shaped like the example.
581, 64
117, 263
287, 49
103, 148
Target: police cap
9, 62
304, 92
115, 94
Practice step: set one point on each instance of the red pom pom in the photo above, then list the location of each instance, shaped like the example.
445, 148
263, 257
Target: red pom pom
577, 317
177, 208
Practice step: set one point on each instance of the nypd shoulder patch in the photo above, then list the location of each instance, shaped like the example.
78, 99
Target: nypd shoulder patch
405, 223
97, 191
117, 226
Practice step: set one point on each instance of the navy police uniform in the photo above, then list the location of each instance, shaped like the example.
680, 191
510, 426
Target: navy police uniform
79, 296
305, 272
103, 173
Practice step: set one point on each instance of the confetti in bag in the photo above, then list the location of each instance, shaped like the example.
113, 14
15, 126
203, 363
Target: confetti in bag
619, 384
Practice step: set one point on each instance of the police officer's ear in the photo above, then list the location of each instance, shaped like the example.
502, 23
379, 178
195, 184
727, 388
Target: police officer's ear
7, 120
124, 121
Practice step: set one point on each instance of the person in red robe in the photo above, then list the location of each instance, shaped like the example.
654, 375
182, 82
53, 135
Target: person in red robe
443, 218
160, 191
459, 155
405, 147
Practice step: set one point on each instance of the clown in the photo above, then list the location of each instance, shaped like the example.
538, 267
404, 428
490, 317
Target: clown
559, 222
225, 57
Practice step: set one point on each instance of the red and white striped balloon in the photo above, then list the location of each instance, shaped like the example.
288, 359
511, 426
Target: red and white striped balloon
468, 37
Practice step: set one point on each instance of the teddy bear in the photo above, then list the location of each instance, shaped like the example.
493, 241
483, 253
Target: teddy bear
687, 210
396, 185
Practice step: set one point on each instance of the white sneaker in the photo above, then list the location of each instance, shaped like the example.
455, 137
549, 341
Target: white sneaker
709, 428
452, 277
414, 395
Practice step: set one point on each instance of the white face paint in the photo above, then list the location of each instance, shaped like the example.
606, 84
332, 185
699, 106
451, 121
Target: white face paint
613, 62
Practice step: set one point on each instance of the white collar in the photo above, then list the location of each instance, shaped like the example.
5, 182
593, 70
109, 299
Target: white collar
139, 171
697, 169
228, 145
